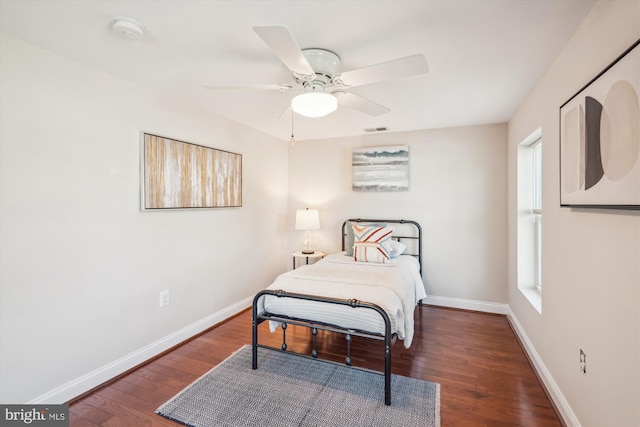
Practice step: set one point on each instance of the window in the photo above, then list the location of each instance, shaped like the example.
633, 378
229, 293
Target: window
529, 223
536, 208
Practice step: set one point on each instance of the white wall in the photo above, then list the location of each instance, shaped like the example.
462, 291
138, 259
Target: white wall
591, 258
457, 193
81, 265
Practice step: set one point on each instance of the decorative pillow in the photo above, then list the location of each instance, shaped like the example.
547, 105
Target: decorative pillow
350, 238
395, 248
370, 252
370, 243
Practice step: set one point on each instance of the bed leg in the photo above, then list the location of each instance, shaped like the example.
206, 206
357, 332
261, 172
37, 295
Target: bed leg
284, 336
254, 340
314, 352
348, 359
387, 375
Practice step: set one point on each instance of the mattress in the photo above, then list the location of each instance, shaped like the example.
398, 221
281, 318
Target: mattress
396, 287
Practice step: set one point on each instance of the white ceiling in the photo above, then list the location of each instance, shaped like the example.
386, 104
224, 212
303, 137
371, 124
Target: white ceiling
484, 56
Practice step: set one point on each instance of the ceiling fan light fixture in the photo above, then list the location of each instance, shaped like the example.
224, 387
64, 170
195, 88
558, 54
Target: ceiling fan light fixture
314, 104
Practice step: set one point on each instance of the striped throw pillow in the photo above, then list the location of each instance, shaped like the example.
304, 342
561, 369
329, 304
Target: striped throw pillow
350, 239
371, 243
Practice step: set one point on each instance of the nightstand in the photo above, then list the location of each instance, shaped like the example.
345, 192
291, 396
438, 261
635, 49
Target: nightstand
299, 254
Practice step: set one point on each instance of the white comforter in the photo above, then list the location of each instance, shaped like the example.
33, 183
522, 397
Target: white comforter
396, 287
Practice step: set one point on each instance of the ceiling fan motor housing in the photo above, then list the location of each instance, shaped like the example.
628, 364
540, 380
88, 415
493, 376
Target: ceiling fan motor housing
324, 63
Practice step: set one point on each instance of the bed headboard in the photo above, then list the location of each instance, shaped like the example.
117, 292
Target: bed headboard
409, 230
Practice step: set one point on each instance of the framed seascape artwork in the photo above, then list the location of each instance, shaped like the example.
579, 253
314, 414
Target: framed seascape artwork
600, 139
178, 175
380, 168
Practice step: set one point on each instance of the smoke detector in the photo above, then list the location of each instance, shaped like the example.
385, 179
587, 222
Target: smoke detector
130, 28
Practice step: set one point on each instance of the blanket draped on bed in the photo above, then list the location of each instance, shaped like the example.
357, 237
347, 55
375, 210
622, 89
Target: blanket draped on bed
396, 287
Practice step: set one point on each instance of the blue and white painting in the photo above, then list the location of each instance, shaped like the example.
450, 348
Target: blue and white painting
380, 168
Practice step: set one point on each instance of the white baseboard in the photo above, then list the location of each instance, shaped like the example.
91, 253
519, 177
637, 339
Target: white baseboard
567, 414
93, 379
466, 304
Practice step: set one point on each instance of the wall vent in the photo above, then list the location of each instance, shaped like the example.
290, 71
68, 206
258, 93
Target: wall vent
380, 129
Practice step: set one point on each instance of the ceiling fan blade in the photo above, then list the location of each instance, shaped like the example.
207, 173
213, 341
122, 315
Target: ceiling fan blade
281, 42
280, 87
402, 67
350, 100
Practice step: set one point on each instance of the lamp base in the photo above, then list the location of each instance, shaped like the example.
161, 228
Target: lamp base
308, 251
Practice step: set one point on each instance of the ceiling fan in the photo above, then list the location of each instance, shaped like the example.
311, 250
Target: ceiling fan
316, 74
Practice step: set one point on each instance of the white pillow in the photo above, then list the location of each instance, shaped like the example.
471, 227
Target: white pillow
395, 248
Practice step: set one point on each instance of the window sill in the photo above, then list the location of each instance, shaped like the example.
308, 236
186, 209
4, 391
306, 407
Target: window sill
533, 296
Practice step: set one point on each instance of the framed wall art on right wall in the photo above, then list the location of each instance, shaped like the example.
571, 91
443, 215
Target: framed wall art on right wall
600, 139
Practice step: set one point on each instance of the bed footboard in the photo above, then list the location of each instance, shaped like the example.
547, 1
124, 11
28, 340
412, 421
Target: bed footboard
258, 318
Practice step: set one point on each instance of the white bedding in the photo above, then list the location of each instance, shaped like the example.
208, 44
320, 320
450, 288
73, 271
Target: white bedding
396, 287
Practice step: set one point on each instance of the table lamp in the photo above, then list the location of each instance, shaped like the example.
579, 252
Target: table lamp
307, 219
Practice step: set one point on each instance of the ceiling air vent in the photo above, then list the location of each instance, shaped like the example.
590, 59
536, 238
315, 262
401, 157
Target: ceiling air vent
373, 130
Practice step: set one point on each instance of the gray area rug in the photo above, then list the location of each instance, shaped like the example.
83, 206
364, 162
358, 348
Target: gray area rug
288, 390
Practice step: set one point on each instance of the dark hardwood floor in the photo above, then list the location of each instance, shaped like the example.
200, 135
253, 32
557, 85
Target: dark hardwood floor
485, 377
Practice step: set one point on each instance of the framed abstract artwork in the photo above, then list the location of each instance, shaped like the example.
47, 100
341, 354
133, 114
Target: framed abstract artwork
600, 139
179, 175
380, 168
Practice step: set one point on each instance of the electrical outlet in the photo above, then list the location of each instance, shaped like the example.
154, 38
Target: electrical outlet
164, 298
583, 362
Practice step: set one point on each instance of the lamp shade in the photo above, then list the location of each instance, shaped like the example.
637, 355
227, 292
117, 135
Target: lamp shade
314, 104
307, 219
